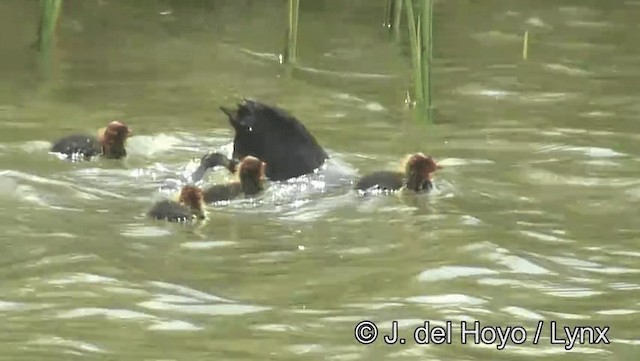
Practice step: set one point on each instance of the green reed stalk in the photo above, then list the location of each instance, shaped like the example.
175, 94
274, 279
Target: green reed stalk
388, 14
415, 45
393, 17
291, 48
525, 46
426, 24
420, 40
397, 18
49, 14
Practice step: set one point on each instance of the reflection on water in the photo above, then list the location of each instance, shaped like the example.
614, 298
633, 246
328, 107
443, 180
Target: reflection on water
534, 216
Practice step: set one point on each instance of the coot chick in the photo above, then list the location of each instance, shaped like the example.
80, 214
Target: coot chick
251, 174
190, 205
276, 137
418, 169
109, 143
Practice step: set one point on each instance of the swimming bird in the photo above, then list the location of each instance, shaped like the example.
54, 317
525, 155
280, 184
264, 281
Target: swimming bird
251, 175
109, 143
190, 206
416, 176
273, 135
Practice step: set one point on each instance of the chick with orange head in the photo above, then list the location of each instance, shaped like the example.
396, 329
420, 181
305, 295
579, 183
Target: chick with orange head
190, 206
416, 175
251, 176
109, 143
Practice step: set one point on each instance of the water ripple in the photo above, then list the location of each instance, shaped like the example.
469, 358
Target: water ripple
451, 272
79, 347
447, 300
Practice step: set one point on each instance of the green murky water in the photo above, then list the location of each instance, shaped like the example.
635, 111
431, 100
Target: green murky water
534, 218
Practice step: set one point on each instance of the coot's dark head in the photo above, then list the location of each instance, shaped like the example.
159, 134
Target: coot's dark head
418, 171
113, 138
276, 137
218, 159
193, 198
212, 160
251, 172
251, 130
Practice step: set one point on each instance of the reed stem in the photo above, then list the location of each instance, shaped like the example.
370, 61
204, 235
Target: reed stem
426, 25
525, 46
388, 14
291, 48
393, 17
397, 19
420, 40
414, 43
49, 14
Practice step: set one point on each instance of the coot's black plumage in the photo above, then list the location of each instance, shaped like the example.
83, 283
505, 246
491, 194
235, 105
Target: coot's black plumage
273, 135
